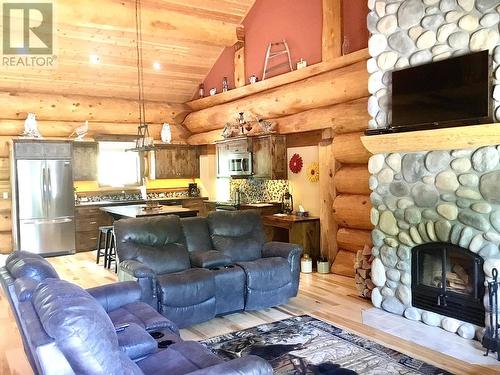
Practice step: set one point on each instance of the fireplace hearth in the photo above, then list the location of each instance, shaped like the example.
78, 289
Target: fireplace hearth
449, 280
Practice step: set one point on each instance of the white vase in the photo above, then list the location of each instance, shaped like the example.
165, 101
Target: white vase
166, 133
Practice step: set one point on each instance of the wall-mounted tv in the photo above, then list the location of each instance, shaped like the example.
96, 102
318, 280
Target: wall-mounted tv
452, 92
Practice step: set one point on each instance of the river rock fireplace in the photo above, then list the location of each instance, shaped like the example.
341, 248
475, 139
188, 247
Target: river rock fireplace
449, 280
437, 234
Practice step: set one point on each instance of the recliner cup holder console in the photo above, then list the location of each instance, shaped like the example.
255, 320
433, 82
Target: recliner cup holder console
229, 266
165, 344
156, 335
214, 269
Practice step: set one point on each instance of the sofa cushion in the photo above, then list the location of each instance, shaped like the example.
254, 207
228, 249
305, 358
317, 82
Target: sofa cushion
267, 273
165, 259
178, 359
269, 282
209, 259
247, 223
187, 297
157, 242
238, 234
31, 266
81, 328
186, 288
24, 287
196, 234
238, 249
136, 342
143, 315
151, 231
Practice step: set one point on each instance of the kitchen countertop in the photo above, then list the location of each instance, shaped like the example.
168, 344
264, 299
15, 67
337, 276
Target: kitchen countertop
256, 204
131, 202
139, 210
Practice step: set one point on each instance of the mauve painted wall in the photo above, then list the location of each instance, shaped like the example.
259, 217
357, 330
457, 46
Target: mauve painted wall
299, 22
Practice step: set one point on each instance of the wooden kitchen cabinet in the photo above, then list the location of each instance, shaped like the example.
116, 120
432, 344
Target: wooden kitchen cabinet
269, 157
85, 161
176, 161
87, 221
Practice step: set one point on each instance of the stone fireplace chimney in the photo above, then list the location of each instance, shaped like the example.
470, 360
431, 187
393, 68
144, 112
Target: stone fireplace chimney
437, 234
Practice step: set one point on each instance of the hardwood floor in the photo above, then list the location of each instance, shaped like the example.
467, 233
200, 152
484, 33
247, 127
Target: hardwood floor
328, 297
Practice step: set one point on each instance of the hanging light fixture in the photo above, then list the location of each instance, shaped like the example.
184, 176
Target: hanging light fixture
144, 141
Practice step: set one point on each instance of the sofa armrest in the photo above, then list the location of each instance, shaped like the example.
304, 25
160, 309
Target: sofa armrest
285, 250
133, 270
249, 365
292, 253
209, 259
136, 269
113, 296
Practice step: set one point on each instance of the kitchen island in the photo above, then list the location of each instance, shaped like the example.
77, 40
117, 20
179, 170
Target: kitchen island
142, 210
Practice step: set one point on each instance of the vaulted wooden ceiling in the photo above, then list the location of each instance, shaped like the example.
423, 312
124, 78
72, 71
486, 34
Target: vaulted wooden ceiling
184, 36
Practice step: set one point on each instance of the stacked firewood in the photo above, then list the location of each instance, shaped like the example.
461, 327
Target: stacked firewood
362, 267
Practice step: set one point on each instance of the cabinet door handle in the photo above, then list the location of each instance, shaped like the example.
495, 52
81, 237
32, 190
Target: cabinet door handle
93, 222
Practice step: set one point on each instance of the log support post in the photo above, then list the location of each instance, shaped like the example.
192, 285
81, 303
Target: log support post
332, 29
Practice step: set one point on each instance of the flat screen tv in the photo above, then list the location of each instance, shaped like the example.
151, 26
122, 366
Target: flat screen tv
452, 92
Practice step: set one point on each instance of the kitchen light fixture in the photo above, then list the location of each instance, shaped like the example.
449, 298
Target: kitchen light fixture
94, 59
144, 141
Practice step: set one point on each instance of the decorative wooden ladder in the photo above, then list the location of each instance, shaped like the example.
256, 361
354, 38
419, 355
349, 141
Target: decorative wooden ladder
275, 50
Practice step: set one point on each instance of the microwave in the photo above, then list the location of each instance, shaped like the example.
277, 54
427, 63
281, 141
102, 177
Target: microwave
240, 164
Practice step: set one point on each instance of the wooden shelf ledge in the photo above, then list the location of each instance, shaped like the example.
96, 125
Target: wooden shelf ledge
280, 80
437, 139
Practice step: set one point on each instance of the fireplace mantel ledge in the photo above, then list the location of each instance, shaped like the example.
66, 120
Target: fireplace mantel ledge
436, 139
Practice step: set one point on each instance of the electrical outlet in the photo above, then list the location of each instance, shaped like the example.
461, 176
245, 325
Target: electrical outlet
5, 195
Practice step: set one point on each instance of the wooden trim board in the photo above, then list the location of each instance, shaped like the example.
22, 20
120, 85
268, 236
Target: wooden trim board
435, 139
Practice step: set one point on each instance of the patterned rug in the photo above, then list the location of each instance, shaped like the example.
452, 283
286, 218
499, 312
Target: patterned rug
305, 345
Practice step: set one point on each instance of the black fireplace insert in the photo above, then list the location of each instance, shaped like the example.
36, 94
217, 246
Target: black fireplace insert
448, 280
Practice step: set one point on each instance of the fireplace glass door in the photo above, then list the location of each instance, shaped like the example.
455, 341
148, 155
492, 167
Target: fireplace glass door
449, 280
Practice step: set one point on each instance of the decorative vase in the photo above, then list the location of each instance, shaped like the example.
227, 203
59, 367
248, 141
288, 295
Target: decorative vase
306, 264
166, 133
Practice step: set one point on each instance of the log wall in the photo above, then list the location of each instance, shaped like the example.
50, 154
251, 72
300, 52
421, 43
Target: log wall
351, 206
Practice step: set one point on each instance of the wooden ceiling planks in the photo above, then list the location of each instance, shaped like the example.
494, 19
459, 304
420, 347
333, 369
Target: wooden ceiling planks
184, 37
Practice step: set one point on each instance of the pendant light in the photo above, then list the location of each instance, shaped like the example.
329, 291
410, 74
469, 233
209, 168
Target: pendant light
143, 142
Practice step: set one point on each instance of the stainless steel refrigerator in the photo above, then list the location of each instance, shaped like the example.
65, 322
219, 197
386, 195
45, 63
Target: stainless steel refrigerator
44, 206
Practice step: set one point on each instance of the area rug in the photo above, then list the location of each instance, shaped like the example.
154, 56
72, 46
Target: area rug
305, 345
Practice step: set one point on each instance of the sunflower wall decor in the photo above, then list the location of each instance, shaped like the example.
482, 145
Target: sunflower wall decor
295, 163
313, 172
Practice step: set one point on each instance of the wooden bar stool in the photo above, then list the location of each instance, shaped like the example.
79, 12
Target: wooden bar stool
111, 251
104, 234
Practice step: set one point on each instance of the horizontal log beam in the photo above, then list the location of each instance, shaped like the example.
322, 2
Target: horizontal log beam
65, 128
352, 211
348, 149
206, 138
353, 239
352, 179
342, 118
53, 107
334, 87
282, 79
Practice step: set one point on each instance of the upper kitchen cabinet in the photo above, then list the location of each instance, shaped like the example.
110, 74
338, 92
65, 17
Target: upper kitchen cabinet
269, 157
176, 161
85, 161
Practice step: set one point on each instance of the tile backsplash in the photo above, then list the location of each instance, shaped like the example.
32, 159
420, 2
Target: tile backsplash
257, 190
